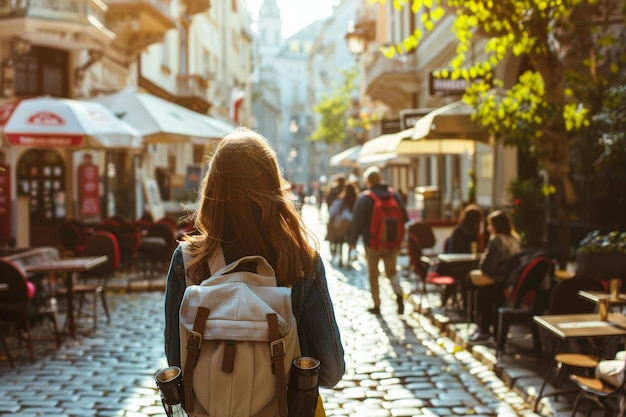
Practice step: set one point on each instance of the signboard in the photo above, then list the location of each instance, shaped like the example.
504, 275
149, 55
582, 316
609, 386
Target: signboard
193, 176
88, 188
408, 117
49, 141
153, 198
445, 86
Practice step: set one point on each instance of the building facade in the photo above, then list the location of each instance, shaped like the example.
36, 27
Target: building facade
192, 53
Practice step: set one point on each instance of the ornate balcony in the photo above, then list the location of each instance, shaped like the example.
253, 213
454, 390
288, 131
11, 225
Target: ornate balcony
196, 6
63, 24
138, 23
392, 81
191, 92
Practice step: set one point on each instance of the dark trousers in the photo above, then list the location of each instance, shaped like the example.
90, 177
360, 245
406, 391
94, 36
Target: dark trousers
487, 299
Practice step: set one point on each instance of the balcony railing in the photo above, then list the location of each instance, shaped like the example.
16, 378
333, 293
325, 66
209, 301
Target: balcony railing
162, 6
76, 11
191, 86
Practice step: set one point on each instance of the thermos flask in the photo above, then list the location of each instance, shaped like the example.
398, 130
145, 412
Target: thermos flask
303, 390
170, 383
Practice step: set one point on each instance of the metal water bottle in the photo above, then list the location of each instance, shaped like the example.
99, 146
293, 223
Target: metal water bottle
303, 390
170, 382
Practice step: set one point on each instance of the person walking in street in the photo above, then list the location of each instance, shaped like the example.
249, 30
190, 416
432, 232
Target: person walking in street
488, 280
245, 208
339, 221
370, 223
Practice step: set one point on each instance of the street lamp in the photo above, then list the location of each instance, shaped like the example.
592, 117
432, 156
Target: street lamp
358, 36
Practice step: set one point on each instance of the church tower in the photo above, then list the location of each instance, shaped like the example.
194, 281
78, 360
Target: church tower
269, 29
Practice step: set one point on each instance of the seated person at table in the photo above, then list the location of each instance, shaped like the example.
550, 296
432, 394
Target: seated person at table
489, 280
466, 231
611, 371
460, 241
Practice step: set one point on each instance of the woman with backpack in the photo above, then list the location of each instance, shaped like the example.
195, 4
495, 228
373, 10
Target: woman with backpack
245, 208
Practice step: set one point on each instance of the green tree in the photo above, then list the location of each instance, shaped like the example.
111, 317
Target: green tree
334, 110
575, 50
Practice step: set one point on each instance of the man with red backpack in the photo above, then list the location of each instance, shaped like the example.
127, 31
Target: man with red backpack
379, 217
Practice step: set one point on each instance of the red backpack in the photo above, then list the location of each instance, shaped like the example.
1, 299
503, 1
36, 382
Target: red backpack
387, 224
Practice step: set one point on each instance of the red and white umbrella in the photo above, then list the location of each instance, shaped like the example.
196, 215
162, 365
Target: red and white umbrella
47, 122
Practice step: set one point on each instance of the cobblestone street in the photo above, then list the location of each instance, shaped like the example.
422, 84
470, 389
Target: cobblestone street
396, 365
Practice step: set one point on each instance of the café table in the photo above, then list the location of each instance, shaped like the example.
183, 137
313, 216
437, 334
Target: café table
459, 258
458, 266
595, 296
74, 267
573, 327
588, 325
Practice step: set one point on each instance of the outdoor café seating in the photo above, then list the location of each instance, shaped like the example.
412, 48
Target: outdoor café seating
607, 396
94, 282
577, 356
528, 297
18, 309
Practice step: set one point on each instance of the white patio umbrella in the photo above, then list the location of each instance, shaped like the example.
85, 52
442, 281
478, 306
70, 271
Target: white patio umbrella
160, 120
47, 122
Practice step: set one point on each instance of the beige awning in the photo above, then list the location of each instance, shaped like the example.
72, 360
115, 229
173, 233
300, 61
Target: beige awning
346, 158
452, 121
447, 130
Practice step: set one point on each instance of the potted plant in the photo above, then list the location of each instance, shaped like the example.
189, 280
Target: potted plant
602, 255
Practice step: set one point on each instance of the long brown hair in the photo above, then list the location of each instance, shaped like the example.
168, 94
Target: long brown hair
502, 223
246, 205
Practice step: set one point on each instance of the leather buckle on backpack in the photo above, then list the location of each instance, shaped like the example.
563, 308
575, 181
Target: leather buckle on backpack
194, 342
277, 348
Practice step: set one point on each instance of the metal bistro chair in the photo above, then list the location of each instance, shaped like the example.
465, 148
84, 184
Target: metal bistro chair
421, 237
525, 300
17, 308
599, 392
94, 281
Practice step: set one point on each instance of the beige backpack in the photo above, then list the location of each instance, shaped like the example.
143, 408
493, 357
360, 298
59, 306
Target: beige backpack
238, 337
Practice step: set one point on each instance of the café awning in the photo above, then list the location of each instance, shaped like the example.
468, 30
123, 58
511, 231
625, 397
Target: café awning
161, 121
346, 158
452, 121
447, 130
48, 122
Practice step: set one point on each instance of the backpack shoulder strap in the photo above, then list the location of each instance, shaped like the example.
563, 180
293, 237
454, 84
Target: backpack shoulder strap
372, 195
216, 262
194, 342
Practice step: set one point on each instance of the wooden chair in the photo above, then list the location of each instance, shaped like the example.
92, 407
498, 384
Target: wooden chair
421, 237
525, 301
564, 299
72, 236
129, 242
18, 309
157, 247
94, 281
599, 392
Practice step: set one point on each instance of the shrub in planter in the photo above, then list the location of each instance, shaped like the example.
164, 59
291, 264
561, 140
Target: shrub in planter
603, 255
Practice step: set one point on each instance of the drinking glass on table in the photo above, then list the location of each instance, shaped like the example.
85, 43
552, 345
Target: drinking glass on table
603, 308
614, 285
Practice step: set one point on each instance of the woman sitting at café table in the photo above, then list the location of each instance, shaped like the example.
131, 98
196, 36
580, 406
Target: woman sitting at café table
488, 280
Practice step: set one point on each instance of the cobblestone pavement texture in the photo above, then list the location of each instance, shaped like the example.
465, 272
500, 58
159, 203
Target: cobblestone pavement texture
396, 365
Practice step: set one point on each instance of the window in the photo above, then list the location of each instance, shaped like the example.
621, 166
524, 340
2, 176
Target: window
42, 71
